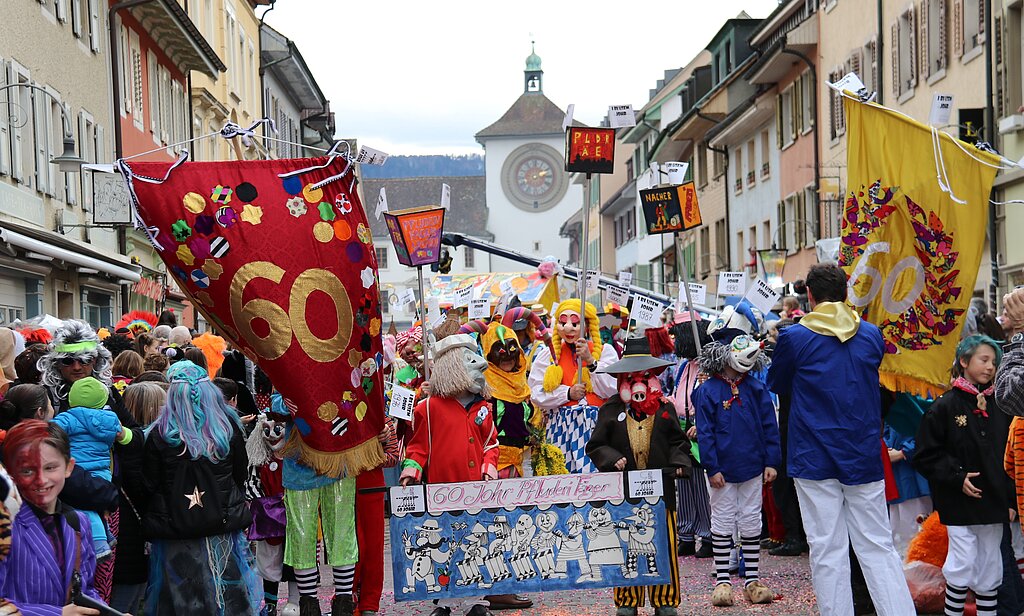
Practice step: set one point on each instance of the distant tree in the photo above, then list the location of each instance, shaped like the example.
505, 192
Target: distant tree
464, 165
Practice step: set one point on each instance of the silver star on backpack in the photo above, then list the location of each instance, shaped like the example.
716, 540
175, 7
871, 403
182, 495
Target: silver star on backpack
195, 499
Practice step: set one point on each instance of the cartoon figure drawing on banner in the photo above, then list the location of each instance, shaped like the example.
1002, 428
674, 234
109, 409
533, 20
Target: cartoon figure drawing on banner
425, 552
604, 547
502, 543
522, 535
662, 216
571, 549
544, 544
475, 553
639, 538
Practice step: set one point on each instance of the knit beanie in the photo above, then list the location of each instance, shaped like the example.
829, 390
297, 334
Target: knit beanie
88, 392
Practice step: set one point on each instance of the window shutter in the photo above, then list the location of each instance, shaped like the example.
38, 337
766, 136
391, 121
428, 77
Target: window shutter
797, 108
876, 69
17, 133
940, 62
982, 21
61, 7
83, 151
912, 37
76, 18
855, 64
94, 25
101, 153
70, 186
958, 28
895, 47
154, 94
780, 214
40, 115
926, 68
5, 128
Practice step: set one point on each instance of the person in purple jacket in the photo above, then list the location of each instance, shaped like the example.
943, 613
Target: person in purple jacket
51, 558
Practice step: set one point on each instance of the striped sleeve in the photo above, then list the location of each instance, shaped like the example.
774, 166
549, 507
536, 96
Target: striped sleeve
253, 485
389, 440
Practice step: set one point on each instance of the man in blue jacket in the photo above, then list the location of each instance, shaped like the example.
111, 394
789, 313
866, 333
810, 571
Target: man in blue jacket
828, 363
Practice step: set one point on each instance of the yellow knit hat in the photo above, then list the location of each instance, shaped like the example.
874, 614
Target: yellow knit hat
553, 375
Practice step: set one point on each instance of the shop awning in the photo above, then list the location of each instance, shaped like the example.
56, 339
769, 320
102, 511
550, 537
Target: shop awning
126, 272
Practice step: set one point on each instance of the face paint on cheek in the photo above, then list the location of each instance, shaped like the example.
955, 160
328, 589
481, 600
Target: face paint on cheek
28, 473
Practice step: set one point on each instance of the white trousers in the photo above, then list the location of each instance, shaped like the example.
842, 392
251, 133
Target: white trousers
974, 559
903, 520
737, 507
836, 515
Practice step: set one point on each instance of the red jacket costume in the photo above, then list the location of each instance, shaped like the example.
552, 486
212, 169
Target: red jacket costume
451, 443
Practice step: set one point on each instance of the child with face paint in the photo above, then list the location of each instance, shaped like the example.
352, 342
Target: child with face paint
572, 406
51, 557
637, 430
738, 435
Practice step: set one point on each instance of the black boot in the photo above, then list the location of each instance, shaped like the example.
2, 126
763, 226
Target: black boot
705, 550
686, 548
309, 606
342, 605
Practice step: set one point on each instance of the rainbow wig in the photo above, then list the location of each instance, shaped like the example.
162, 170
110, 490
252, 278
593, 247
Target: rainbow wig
196, 415
553, 375
968, 346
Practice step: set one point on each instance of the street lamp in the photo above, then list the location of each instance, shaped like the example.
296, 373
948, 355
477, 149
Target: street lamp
68, 161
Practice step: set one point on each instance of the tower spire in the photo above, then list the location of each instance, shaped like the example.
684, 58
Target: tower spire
534, 74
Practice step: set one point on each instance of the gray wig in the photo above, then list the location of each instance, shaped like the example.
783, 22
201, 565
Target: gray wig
714, 357
73, 333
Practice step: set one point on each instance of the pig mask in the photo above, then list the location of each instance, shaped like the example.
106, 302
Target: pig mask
641, 391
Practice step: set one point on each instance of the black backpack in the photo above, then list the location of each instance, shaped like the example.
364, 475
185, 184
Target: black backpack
193, 507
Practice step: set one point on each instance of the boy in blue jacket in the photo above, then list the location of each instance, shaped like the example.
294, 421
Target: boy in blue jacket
738, 435
92, 429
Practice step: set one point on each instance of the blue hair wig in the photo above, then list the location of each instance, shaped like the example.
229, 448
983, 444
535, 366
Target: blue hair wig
196, 414
969, 345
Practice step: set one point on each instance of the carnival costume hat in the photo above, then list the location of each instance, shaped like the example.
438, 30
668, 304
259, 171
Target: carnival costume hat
553, 375
74, 339
739, 320
741, 352
636, 357
510, 386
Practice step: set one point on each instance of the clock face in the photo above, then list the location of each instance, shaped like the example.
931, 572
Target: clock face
532, 177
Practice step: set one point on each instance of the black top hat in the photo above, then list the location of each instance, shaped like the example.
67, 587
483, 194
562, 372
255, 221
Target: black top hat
636, 357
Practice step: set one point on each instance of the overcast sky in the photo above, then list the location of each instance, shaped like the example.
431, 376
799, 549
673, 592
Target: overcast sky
412, 77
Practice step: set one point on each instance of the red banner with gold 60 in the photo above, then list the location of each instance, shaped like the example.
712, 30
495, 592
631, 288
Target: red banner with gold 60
279, 258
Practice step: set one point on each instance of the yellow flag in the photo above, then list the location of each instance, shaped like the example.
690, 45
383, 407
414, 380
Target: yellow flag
913, 229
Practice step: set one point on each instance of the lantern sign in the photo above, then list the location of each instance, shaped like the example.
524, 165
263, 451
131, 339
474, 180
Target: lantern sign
416, 234
773, 262
589, 150
670, 208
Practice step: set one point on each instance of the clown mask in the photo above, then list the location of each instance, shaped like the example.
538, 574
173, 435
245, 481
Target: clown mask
569, 325
505, 352
273, 434
743, 353
412, 354
641, 391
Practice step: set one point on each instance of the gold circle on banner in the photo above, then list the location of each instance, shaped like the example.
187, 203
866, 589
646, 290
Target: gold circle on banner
279, 337
320, 349
360, 411
327, 411
312, 195
194, 202
323, 232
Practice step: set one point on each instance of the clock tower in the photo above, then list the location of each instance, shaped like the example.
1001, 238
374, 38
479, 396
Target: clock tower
528, 190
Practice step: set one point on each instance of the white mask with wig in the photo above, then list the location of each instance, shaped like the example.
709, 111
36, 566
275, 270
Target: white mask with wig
743, 353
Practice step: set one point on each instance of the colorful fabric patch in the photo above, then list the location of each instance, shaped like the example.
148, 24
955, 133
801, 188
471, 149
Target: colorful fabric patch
219, 247
252, 214
200, 278
323, 232
364, 233
200, 247
367, 276
181, 230
204, 224
344, 204
185, 256
313, 195
221, 194
342, 230
296, 206
326, 211
354, 252
292, 185
246, 192
213, 269
194, 202
226, 217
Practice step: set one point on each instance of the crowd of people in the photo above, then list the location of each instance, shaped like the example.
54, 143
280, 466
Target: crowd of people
147, 468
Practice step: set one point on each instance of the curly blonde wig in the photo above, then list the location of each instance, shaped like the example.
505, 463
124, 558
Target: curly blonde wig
553, 375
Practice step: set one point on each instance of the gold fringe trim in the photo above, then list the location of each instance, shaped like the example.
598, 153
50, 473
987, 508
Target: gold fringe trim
365, 456
911, 385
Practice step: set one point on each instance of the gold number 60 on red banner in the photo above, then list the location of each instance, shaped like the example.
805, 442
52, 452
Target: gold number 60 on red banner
283, 323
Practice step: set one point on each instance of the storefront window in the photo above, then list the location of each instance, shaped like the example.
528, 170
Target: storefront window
33, 297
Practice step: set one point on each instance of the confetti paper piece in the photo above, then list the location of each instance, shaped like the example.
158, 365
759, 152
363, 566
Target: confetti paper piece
323, 232
252, 214
194, 202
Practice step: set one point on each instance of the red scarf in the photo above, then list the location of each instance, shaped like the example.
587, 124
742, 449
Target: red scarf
964, 385
735, 386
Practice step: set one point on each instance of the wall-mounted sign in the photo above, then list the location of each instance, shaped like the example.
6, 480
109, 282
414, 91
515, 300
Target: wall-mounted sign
670, 208
589, 150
